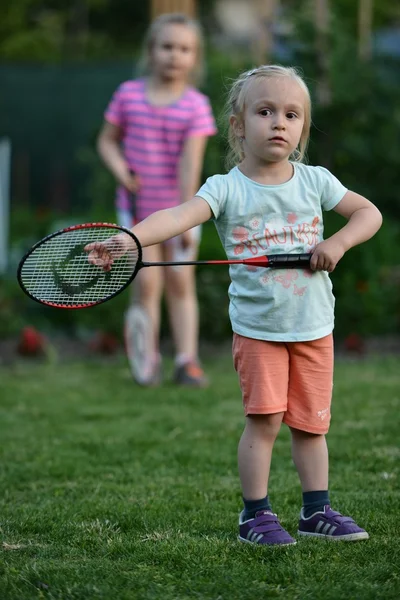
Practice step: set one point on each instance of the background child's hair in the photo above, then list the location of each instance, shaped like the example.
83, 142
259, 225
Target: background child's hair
144, 65
236, 105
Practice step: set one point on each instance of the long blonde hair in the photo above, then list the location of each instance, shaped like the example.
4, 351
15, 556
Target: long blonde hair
236, 103
144, 65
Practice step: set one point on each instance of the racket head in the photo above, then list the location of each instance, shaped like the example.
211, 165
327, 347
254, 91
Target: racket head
56, 271
139, 343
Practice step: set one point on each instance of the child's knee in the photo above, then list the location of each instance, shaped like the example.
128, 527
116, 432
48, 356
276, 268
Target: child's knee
150, 285
265, 425
181, 283
301, 434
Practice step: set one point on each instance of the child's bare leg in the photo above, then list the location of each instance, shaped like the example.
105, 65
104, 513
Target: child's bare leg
255, 452
317, 519
310, 456
150, 286
257, 523
183, 310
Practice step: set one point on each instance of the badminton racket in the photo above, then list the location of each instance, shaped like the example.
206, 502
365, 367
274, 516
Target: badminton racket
84, 265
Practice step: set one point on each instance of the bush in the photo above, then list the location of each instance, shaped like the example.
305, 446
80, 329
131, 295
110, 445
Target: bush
367, 283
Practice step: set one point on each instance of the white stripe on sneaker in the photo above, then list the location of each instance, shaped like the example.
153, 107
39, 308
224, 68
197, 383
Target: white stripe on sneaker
332, 530
325, 529
318, 527
249, 534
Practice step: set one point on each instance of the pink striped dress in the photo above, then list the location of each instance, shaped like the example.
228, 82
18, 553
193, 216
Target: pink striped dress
153, 138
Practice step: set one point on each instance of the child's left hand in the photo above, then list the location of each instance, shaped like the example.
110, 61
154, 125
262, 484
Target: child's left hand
326, 255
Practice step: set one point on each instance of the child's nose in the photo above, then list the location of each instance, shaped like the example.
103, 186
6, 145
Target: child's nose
279, 122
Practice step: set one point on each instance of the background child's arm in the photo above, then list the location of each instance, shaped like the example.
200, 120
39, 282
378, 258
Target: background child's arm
165, 224
190, 166
364, 220
109, 148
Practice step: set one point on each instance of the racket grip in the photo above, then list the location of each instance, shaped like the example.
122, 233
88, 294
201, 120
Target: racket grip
289, 261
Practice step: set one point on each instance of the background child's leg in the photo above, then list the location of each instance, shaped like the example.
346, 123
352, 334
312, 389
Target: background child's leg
180, 287
183, 309
150, 283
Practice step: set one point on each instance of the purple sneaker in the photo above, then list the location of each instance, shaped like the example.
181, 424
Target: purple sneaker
331, 525
263, 529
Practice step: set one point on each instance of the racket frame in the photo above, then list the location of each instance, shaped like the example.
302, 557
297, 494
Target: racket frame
76, 228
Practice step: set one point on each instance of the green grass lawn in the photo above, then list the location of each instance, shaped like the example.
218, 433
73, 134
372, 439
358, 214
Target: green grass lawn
116, 492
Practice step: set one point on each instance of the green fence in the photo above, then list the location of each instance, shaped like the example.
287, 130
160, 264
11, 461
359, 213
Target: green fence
50, 113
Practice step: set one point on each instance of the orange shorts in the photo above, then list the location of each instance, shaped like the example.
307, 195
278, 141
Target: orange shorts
291, 377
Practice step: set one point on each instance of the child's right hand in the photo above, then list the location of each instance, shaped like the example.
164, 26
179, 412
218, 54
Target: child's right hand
129, 180
103, 254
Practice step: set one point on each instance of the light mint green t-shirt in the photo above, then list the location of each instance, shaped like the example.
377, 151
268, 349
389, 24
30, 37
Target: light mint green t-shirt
254, 219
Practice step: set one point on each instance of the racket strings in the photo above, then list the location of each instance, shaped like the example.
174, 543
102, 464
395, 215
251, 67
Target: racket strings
59, 271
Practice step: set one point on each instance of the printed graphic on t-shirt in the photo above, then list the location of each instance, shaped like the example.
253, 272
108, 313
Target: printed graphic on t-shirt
264, 236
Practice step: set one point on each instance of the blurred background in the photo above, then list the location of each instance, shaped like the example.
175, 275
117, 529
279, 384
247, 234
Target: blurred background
61, 61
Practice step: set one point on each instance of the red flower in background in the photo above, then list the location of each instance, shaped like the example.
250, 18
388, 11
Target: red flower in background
362, 286
354, 343
31, 342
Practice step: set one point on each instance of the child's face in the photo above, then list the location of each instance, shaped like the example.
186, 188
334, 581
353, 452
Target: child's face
174, 53
273, 119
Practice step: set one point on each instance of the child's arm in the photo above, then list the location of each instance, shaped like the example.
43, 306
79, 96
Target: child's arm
158, 227
364, 220
109, 148
190, 166
165, 224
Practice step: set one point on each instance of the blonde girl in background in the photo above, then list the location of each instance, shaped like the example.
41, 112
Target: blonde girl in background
282, 321
153, 141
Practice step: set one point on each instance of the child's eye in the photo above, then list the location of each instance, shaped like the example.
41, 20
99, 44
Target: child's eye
265, 112
291, 115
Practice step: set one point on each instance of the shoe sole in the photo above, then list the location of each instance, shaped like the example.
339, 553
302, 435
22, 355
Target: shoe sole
350, 537
244, 541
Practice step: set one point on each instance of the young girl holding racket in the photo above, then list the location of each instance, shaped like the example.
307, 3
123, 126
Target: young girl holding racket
153, 141
282, 319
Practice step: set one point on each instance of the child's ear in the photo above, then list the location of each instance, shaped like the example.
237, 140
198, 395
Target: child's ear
237, 126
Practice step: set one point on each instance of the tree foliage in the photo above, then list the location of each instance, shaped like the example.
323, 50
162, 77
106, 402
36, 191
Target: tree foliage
55, 30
